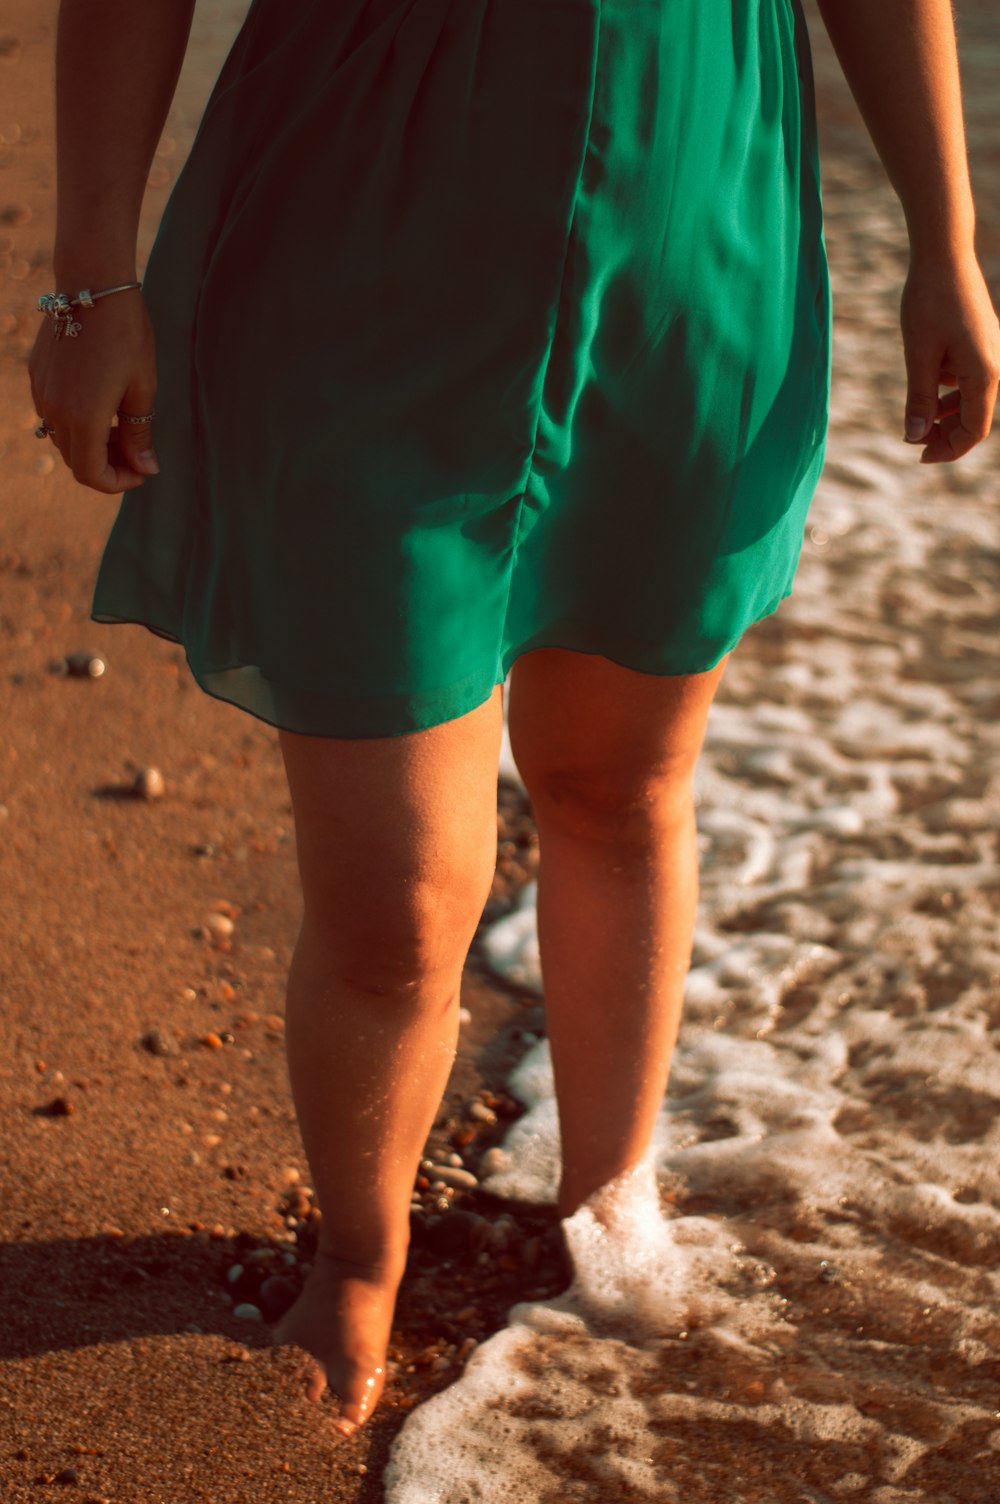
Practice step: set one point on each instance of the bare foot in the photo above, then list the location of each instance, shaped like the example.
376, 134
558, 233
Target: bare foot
343, 1317
623, 1204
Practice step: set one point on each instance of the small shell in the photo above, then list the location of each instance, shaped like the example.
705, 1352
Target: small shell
85, 665
220, 926
149, 783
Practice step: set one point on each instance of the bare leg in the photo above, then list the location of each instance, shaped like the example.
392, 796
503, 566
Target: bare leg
608, 757
396, 845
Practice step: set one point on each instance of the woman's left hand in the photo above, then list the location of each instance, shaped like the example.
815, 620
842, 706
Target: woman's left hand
951, 337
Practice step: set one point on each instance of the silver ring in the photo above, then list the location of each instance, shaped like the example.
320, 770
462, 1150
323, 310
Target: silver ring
43, 431
147, 418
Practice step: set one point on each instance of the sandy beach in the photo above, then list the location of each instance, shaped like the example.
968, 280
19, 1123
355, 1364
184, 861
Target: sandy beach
807, 1305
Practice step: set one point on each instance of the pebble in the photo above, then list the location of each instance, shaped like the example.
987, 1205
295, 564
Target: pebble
85, 665
225, 906
219, 925
277, 1294
157, 1043
458, 1232
479, 1111
247, 1312
493, 1161
234, 1272
531, 1253
504, 1232
148, 783
462, 1180
464, 1016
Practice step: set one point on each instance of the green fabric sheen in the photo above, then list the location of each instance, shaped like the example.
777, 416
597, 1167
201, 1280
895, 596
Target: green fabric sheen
482, 326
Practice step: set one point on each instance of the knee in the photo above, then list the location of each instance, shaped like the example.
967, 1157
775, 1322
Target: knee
392, 939
615, 806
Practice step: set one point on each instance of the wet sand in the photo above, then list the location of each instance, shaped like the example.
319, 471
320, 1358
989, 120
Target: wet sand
147, 1139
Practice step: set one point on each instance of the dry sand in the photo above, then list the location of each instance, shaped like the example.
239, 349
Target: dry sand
120, 1217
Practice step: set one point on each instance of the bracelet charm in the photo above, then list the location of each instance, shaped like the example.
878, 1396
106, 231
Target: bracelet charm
59, 306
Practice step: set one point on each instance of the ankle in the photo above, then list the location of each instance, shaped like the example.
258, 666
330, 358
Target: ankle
385, 1266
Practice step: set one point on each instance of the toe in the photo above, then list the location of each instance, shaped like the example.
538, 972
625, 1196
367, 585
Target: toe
316, 1384
361, 1395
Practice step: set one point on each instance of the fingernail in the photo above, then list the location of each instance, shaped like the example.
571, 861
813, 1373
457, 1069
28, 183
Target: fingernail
344, 1426
150, 461
915, 429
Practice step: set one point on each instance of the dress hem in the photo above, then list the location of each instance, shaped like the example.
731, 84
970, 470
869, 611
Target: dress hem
202, 676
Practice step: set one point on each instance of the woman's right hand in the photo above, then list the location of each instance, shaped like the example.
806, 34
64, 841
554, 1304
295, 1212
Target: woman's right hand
79, 384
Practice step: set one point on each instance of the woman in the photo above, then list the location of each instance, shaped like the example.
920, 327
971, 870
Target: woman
483, 337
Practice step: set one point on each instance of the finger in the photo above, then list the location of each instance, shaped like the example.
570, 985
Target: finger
923, 377
135, 440
135, 444
948, 408
92, 463
941, 441
965, 422
60, 440
978, 397
116, 457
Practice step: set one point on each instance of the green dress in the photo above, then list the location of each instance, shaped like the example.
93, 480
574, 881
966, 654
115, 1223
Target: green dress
482, 326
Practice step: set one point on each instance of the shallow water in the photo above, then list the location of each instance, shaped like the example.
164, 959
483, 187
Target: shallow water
802, 1302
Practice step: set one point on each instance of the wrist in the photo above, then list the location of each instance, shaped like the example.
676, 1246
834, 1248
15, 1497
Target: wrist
80, 265
944, 238
949, 256
71, 280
